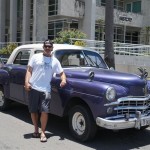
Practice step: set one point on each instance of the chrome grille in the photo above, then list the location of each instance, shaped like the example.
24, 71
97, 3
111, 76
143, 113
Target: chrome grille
133, 103
131, 106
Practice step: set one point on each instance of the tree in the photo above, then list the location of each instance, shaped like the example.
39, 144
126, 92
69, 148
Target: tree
65, 35
109, 34
8, 49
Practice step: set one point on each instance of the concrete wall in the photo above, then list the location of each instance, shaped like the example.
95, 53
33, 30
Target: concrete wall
88, 22
71, 8
40, 20
131, 63
2, 20
146, 12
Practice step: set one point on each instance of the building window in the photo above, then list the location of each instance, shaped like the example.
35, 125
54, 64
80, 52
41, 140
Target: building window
135, 37
19, 19
19, 9
103, 2
100, 3
58, 25
31, 20
117, 4
134, 7
128, 8
131, 36
31, 9
74, 24
53, 7
99, 30
6, 35
54, 27
118, 34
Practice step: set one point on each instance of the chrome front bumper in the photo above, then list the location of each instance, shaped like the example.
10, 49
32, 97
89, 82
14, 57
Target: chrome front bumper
123, 123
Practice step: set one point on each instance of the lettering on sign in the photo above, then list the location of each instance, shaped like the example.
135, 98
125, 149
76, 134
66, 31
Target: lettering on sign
123, 18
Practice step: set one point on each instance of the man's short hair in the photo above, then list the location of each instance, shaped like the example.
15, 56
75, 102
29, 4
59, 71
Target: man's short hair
48, 43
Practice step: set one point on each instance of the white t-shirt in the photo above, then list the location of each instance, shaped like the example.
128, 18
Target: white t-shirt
43, 69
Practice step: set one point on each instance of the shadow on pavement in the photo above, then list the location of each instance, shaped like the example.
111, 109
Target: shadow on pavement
104, 140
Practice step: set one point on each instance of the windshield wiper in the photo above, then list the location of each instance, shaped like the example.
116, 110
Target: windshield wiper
94, 63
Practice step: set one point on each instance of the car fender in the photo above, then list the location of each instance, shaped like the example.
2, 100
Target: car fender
92, 94
4, 77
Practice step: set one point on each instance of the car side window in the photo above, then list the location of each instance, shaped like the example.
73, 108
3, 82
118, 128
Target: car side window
70, 58
83, 58
38, 51
22, 57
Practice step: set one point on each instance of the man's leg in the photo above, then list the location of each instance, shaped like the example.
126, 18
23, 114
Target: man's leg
43, 119
34, 117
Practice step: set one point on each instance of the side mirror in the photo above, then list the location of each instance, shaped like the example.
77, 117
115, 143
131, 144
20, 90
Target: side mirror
111, 68
1, 62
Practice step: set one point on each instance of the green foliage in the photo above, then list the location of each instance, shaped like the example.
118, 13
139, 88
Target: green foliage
79, 43
65, 35
8, 49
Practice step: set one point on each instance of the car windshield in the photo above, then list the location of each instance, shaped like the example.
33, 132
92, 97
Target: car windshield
80, 58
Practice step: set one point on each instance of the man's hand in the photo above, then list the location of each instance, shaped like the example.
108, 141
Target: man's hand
27, 87
63, 79
63, 83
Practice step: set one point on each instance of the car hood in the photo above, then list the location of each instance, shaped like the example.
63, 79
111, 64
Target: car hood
105, 75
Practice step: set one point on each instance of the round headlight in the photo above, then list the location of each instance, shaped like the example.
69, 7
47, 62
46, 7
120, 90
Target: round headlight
110, 94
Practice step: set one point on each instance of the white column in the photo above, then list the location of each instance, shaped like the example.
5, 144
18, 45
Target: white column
26, 21
13, 20
2, 20
88, 23
40, 20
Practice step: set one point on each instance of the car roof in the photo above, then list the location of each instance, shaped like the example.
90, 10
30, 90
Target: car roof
56, 47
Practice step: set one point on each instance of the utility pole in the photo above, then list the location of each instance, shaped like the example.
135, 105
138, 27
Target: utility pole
109, 33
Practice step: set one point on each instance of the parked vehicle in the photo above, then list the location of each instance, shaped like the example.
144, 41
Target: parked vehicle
95, 96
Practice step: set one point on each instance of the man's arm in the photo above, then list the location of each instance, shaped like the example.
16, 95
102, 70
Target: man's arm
27, 78
63, 79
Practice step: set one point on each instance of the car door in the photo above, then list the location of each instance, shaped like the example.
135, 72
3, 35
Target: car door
17, 76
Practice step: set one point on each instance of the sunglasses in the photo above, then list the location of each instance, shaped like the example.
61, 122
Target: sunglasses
48, 46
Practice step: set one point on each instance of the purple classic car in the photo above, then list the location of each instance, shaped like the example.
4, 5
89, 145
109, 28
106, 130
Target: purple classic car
95, 96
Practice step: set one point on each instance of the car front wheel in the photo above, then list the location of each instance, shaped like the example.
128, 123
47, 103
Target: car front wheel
4, 102
81, 123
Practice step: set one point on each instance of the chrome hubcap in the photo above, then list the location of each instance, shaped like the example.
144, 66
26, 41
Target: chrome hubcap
1, 98
78, 123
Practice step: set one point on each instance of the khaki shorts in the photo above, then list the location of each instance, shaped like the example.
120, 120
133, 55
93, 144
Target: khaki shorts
39, 101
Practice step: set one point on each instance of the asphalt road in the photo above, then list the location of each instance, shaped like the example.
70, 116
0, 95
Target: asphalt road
16, 129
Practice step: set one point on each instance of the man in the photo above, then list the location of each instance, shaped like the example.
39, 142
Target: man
37, 82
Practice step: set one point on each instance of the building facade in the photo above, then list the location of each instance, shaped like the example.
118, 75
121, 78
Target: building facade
36, 20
